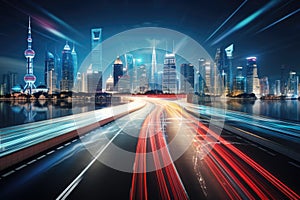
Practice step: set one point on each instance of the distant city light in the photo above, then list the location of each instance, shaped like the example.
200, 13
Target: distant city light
253, 58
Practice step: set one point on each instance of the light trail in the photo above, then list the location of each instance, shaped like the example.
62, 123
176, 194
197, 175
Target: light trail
46, 24
55, 18
247, 20
168, 181
232, 14
279, 20
77, 180
19, 137
242, 175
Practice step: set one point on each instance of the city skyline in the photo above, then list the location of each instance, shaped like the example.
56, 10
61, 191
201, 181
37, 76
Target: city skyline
45, 19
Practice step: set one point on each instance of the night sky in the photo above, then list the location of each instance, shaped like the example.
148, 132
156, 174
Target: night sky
269, 30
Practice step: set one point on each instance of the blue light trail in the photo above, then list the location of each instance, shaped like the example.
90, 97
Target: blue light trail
246, 21
226, 21
279, 20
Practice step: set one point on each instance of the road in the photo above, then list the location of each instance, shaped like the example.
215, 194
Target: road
167, 150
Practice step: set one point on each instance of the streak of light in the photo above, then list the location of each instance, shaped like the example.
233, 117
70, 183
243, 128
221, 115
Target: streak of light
75, 182
279, 20
46, 24
236, 172
58, 20
246, 21
46, 36
50, 28
232, 14
168, 181
241, 170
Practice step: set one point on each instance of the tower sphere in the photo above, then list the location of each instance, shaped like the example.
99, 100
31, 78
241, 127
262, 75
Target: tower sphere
29, 53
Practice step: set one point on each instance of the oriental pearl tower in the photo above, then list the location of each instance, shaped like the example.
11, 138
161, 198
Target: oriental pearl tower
29, 78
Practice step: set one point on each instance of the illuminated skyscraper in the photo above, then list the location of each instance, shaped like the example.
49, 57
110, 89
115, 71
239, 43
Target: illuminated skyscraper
229, 69
264, 86
50, 73
200, 77
9, 81
187, 78
252, 77
169, 79
292, 86
96, 57
217, 70
57, 68
94, 80
129, 70
239, 82
29, 78
153, 78
96, 49
75, 62
117, 72
277, 91
142, 79
110, 83
67, 81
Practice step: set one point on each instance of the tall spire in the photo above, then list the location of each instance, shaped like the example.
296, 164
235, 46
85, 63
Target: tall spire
153, 69
29, 39
73, 50
29, 78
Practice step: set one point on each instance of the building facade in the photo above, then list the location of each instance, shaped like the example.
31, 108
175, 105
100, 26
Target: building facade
117, 73
67, 82
253, 85
187, 77
169, 79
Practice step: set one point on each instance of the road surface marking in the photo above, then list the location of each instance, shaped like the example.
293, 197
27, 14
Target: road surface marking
75, 182
68, 144
8, 173
18, 168
31, 162
41, 157
58, 148
74, 140
50, 152
294, 164
265, 150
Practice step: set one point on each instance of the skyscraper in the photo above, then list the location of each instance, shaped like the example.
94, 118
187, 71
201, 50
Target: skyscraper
29, 78
264, 86
67, 81
292, 86
142, 79
229, 71
239, 82
200, 77
153, 81
117, 72
50, 73
169, 80
94, 81
96, 54
187, 78
252, 77
277, 91
9, 81
96, 49
57, 68
75, 62
130, 70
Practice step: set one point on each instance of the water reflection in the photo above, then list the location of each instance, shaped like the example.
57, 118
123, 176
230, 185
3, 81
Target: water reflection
283, 110
25, 111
